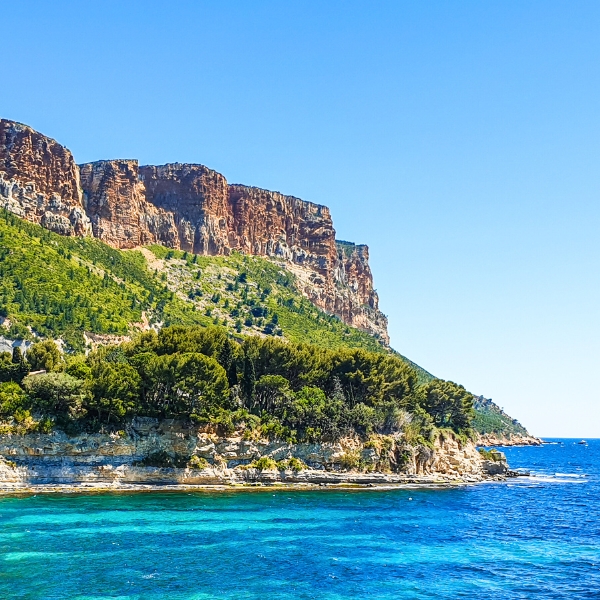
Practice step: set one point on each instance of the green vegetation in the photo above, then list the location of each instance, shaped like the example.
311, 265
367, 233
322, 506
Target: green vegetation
491, 454
60, 287
264, 463
491, 419
265, 387
254, 295
55, 287
448, 404
293, 464
197, 462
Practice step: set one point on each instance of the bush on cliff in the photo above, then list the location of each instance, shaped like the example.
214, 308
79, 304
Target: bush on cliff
12, 399
11, 369
45, 356
56, 395
181, 385
115, 390
264, 463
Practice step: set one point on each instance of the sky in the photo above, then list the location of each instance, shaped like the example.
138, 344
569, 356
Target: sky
459, 140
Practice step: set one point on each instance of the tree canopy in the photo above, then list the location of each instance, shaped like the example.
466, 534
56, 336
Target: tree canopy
289, 390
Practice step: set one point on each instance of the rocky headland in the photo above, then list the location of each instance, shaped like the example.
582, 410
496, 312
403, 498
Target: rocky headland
193, 209
186, 207
512, 439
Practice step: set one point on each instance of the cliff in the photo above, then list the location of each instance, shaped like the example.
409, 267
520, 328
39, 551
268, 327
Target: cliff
115, 201
187, 207
153, 452
39, 180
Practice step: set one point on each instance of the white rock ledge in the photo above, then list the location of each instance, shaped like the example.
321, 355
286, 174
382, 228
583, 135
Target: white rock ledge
96, 462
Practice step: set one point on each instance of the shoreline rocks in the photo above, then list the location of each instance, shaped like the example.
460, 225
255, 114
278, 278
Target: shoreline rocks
511, 440
193, 456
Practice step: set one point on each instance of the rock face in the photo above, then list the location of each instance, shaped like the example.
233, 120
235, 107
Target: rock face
512, 439
115, 201
119, 459
187, 207
39, 180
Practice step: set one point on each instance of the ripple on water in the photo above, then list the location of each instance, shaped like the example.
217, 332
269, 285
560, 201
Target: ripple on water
534, 537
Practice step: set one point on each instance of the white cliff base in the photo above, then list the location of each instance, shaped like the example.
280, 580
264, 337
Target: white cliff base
198, 457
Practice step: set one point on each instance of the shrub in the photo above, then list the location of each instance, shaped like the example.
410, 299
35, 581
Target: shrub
12, 399
292, 463
197, 462
56, 394
44, 355
351, 460
491, 454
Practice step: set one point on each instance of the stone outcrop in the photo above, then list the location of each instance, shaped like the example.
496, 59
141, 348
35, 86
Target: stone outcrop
118, 459
355, 299
115, 201
188, 207
196, 197
512, 439
39, 180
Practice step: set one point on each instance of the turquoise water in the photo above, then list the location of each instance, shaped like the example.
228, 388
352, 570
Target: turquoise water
524, 539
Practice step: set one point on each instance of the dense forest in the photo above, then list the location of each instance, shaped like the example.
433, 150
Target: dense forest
264, 385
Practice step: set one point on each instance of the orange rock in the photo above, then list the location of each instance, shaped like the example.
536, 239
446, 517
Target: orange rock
188, 207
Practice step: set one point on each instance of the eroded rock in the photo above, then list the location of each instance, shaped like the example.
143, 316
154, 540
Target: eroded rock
119, 459
188, 207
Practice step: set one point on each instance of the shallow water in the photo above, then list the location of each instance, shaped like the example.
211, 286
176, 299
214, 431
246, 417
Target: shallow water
529, 538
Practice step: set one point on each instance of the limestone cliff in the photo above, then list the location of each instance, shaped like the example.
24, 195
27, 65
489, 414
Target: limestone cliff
188, 207
39, 180
115, 201
355, 299
202, 457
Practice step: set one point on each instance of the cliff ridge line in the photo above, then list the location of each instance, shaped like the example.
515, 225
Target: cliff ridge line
187, 207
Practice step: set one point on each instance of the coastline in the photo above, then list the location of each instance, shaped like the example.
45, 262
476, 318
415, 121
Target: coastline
169, 455
357, 484
15, 480
492, 439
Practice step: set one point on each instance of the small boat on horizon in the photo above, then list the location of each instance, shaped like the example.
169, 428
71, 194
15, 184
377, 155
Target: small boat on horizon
582, 443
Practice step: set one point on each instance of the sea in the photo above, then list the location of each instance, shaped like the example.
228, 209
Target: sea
530, 537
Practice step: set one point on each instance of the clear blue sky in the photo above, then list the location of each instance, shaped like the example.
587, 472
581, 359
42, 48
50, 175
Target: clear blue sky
459, 140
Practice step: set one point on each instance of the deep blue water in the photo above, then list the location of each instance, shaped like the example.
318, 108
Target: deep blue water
530, 538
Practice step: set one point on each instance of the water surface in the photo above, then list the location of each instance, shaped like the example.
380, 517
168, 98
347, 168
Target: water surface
530, 538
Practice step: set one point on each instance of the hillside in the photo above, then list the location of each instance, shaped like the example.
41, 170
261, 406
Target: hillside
65, 287
83, 292
187, 207
100, 251
491, 419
